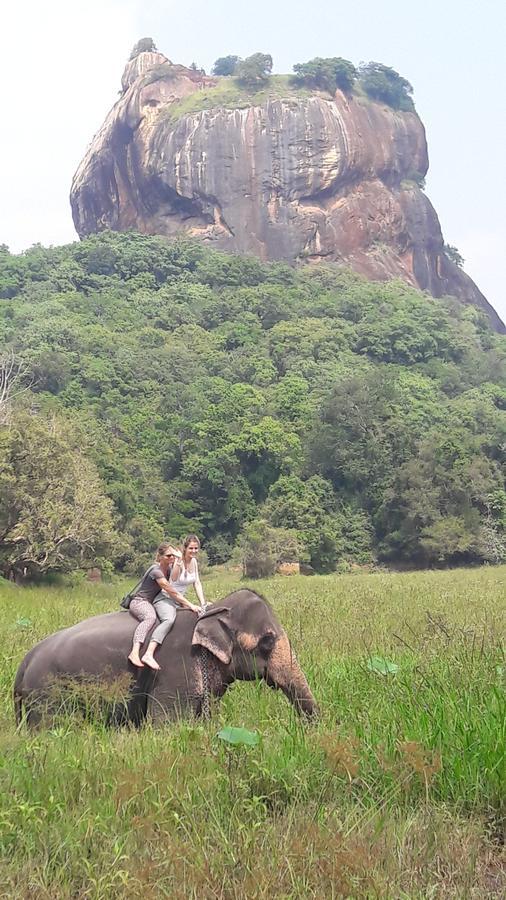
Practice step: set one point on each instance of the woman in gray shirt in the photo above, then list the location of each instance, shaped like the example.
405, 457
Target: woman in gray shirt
149, 605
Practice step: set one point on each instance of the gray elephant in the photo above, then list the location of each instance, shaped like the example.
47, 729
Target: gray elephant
238, 638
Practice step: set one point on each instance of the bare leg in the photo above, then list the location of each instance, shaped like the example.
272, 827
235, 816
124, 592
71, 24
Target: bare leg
148, 657
134, 655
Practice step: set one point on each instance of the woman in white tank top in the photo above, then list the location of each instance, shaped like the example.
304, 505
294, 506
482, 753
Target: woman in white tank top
185, 572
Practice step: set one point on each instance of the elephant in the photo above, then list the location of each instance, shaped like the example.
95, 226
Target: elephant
237, 638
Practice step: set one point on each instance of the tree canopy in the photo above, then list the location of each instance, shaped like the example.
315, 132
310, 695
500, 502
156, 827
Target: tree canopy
144, 45
254, 71
383, 83
226, 65
54, 513
161, 388
452, 253
328, 74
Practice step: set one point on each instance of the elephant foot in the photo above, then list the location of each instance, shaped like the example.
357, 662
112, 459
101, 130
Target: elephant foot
136, 660
150, 661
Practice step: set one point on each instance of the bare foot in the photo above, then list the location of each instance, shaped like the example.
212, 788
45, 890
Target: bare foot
136, 660
150, 661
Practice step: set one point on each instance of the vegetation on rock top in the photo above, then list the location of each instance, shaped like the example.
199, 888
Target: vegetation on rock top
144, 45
249, 82
230, 93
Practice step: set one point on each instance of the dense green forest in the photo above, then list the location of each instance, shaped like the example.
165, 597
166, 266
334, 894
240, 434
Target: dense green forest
152, 388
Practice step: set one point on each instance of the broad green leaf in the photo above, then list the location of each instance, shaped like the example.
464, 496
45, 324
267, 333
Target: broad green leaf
239, 736
382, 666
23, 622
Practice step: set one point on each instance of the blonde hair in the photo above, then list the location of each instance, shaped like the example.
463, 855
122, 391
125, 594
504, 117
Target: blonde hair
162, 549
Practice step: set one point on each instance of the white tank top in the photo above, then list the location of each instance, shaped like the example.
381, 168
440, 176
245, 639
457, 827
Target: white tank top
185, 580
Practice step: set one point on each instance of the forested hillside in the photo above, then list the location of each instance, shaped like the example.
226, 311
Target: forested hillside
156, 388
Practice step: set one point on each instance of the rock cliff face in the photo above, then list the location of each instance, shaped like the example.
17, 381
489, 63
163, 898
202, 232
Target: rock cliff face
297, 178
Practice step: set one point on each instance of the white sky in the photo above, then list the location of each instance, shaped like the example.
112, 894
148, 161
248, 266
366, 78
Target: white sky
61, 65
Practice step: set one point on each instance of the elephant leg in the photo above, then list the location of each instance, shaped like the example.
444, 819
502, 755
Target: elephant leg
174, 694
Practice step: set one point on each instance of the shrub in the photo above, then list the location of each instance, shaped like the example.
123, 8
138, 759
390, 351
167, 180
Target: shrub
323, 551
355, 538
417, 178
218, 550
453, 255
264, 548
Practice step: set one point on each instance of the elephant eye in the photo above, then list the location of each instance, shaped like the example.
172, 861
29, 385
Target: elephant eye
266, 642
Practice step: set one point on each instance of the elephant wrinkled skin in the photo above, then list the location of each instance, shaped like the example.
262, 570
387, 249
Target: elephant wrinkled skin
243, 638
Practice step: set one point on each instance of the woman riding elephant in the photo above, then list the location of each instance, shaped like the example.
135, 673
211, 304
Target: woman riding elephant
185, 571
238, 637
156, 599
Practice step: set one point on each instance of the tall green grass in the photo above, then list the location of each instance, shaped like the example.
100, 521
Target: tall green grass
397, 792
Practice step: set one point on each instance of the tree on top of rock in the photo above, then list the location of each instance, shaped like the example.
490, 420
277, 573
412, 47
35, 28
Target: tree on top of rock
453, 254
384, 83
326, 73
195, 68
145, 45
226, 65
254, 71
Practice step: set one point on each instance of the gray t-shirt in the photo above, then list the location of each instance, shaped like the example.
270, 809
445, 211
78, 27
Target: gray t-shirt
149, 588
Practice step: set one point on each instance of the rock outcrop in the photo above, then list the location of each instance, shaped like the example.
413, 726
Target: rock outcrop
297, 178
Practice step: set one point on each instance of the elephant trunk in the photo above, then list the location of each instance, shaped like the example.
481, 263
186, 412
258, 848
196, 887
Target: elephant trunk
283, 671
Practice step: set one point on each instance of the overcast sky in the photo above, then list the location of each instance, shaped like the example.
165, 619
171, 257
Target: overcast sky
61, 65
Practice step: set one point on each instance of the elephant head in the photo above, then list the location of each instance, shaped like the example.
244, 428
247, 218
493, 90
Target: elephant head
243, 634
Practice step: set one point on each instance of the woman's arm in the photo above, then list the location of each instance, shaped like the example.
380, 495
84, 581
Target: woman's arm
176, 570
198, 586
169, 589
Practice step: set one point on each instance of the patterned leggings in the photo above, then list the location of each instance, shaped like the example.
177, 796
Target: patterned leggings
145, 612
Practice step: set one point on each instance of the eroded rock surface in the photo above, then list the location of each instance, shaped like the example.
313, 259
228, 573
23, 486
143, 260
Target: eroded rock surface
296, 179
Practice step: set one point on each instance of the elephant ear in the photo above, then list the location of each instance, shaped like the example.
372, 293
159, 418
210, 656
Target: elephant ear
213, 632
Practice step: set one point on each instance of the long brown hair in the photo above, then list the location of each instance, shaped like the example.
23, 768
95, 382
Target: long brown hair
190, 538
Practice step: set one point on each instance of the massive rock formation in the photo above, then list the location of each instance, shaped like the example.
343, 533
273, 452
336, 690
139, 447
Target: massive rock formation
297, 178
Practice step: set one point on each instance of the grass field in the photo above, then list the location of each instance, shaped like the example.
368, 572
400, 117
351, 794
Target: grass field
398, 792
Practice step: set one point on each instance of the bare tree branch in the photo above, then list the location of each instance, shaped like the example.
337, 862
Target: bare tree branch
13, 382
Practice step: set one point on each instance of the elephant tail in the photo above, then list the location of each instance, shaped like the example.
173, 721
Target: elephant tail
18, 708
17, 694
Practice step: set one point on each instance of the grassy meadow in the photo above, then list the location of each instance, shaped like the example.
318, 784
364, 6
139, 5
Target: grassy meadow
398, 791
